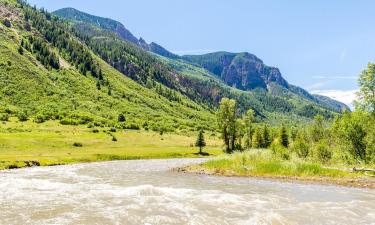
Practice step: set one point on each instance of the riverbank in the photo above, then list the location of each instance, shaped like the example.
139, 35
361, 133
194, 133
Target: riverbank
28, 144
261, 164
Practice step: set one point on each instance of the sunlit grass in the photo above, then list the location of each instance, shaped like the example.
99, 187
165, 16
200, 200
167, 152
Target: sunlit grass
264, 163
51, 143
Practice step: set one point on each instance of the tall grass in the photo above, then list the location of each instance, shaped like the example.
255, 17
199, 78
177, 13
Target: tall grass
264, 163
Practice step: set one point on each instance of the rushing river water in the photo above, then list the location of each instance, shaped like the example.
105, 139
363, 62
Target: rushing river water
147, 192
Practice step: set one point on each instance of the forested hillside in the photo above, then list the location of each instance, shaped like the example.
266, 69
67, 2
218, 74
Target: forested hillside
47, 73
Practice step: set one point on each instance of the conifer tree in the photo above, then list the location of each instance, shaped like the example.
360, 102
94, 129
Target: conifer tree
201, 143
283, 135
266, 137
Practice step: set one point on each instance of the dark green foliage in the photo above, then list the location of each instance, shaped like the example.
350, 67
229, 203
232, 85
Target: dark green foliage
20, 50
121, 118
7, 23
22, 117
266, 139
4, 117
56, 32
43, 52
283, 136
201, 143
77, 144
114, 138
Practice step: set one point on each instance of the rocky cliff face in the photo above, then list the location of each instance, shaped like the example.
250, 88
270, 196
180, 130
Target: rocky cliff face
240, 70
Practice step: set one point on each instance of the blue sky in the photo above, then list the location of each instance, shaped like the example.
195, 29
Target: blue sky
319, 45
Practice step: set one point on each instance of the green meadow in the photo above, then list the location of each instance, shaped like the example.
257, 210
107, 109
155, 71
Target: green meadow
50, 143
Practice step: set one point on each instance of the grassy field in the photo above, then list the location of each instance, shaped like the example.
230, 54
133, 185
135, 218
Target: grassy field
23, 143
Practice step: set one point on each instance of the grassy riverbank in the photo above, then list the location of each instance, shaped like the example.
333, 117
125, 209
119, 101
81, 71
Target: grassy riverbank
50, 143
262, 163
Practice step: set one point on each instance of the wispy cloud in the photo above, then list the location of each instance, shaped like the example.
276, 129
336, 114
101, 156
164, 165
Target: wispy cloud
346, 97
194, 51
343, 77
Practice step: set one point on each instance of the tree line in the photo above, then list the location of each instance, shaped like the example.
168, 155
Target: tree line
348, 137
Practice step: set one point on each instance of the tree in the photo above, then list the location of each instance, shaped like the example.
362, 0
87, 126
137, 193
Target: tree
201, 143
283, 136
257, 139
248, 120
351, 132
366, 92
20, 50
226, 117
266, 137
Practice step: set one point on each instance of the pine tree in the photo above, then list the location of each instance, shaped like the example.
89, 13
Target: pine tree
20, 50
201, 143
283, 135
266, 137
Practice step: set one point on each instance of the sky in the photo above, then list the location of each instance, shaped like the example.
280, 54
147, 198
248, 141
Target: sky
319, 45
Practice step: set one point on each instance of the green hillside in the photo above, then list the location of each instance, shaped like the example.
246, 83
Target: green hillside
71, 93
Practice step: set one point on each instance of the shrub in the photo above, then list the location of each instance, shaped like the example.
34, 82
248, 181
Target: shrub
121, 117
77, 144
113, 130
39, 118
22, 117
4, 117
132, 126
69, 121
301, 148
279, 150
95, 131
114, 138
323, 153
7, 23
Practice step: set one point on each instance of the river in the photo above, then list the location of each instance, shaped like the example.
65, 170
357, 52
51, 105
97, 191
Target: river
148, 192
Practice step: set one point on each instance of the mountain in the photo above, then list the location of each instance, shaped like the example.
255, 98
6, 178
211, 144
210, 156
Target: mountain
47, 72
113, 26
244, 71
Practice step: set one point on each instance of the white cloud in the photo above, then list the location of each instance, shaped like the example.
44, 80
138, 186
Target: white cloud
346, 97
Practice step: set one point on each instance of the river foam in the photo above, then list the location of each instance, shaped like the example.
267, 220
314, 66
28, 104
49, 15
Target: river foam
147, 192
